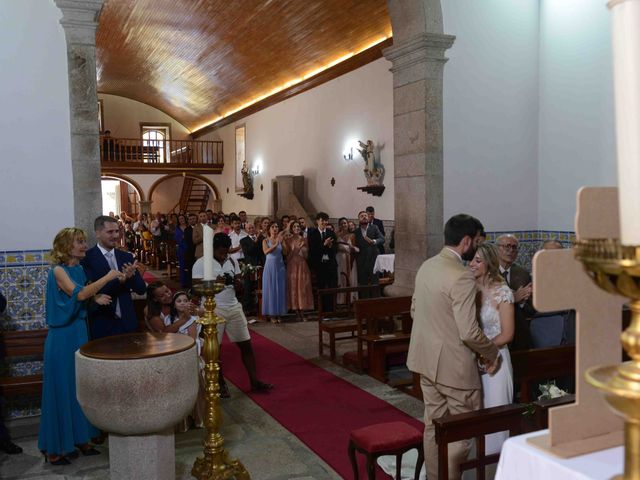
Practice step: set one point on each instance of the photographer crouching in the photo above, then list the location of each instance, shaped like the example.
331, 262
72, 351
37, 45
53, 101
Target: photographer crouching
226, 270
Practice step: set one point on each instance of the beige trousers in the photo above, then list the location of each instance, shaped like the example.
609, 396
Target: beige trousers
439, 401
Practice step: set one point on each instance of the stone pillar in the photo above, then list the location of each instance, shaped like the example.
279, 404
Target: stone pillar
418, 64
80, 20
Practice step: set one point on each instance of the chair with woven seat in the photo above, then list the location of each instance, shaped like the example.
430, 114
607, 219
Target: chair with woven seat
392, 438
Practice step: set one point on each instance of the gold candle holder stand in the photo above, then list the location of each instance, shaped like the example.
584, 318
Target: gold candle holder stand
616, 269
216, 464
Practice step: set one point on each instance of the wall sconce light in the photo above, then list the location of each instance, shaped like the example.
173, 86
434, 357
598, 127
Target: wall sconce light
257, 167
348, 154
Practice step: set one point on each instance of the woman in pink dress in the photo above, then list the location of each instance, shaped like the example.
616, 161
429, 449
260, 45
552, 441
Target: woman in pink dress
299, 291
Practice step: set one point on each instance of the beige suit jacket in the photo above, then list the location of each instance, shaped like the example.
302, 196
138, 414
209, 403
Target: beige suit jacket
197, 240
445, 335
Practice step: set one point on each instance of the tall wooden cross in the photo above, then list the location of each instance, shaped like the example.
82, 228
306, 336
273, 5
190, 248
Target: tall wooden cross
561, 283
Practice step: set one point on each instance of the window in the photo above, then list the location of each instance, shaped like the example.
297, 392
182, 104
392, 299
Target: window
155, 142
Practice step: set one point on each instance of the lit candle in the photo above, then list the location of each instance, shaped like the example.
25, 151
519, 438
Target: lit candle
625, 29
207, 245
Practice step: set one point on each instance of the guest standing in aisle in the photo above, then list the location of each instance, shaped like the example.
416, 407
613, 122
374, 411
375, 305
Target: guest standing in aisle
274, 293
299, 290
323, 246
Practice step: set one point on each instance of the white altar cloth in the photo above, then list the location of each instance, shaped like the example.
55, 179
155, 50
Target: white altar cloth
521, 460
384, 263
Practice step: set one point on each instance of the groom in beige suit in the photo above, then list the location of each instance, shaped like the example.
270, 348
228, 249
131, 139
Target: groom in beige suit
446, 339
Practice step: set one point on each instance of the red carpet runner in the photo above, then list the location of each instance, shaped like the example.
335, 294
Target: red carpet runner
313, 404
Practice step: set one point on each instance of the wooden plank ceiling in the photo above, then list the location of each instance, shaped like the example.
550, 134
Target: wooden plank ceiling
198, 60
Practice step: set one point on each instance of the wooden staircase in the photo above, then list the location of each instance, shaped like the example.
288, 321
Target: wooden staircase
194, 196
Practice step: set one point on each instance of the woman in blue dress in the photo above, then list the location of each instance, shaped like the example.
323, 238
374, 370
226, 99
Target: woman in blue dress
181, 250
274, 275
63, 426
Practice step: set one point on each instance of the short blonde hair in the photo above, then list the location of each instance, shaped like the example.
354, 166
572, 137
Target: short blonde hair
63, 244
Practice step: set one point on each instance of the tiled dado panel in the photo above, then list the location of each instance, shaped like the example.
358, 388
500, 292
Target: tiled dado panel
531, 241
23, 281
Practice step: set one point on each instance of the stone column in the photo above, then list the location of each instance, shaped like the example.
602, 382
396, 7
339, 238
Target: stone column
80, 20
418, 64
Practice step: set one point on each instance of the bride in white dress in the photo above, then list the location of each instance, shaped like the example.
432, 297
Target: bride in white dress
496, 320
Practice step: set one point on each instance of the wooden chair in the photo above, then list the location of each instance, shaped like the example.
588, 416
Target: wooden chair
376, 327
340, 319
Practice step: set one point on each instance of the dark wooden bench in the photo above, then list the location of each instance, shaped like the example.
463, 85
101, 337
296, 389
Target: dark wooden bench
341, 319
530, 366
477, 424
21, 343
377, 328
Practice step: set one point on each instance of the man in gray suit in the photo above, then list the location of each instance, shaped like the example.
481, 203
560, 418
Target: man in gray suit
446, 340
368, 240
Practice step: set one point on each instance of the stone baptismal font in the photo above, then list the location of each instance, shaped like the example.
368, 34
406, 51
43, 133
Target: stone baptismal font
137, 387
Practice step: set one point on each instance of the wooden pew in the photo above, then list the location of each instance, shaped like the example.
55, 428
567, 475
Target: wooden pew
530, 366
376, 327
477, 424
21, 344
341, 319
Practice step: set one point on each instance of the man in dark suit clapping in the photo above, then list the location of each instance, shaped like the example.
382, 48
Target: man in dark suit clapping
323, 246
253, 255
371, 215
119, 316
368, 240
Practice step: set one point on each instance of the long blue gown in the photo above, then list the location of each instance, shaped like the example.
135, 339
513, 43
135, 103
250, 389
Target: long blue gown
274, 278
62, 423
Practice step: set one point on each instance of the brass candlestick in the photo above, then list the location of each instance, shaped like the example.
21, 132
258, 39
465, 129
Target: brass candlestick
616, 269
216, 464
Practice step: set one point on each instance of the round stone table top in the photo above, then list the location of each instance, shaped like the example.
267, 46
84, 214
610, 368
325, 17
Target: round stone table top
130, 346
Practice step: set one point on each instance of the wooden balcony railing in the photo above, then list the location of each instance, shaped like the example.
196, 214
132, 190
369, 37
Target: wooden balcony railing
134, 154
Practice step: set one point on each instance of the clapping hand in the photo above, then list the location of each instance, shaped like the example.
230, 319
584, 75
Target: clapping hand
523, 293
102, 299
328, 242
129, 269
113, 274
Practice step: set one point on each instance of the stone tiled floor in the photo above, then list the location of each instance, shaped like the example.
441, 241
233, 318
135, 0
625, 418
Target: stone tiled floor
268, 451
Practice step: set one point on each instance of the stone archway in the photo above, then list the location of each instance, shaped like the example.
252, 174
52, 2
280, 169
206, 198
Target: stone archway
203, 179
418, 61
130, 181
158, 193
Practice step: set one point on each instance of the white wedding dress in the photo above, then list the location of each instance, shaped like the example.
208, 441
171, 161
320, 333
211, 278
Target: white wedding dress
497, 389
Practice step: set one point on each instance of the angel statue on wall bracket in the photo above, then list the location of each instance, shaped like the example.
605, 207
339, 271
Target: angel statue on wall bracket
247, 182
373, 172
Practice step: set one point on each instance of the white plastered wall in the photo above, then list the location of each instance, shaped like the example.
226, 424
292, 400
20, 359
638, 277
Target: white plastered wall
307, 135
35, 148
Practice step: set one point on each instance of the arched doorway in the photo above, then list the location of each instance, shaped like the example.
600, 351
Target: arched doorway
188, 192
120, 194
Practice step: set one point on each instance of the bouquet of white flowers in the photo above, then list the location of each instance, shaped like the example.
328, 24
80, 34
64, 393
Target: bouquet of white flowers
550, 390
249, 270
